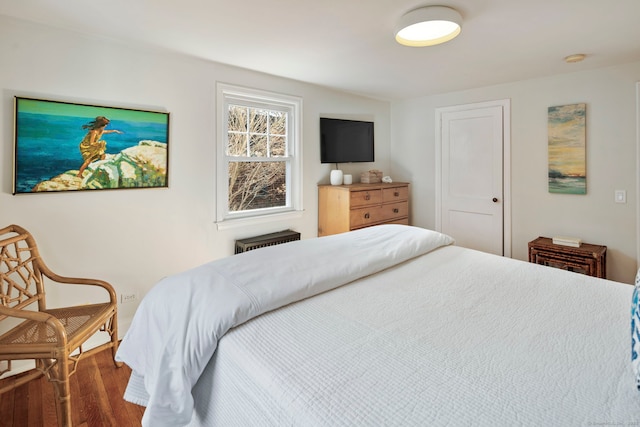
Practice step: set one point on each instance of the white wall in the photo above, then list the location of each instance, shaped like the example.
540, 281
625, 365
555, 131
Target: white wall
611, 159
132, 238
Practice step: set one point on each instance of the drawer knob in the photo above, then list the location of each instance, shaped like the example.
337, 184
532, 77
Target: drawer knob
396, 210
396, 194
366, 215
367, 197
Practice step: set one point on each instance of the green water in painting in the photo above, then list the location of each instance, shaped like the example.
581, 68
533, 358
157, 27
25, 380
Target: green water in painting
568, 185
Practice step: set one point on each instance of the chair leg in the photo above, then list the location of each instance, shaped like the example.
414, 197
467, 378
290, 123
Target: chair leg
64, 404
114, 339
58, 375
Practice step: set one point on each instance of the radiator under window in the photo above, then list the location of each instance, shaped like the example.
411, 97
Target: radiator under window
250, 243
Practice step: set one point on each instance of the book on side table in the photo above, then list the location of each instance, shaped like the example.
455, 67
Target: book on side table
574, 242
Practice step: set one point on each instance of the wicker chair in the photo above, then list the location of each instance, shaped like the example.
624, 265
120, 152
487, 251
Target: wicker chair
48, 336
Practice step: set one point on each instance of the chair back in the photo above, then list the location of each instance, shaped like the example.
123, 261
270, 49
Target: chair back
21, 280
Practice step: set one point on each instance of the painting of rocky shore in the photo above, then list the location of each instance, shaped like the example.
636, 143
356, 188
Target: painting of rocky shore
141, 166
63, 146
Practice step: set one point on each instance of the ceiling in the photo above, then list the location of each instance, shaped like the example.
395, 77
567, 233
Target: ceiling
349, 44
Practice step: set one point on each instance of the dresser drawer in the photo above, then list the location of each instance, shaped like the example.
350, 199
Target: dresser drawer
394, 210
584, 266
365, 216
401, 221
365, 197
377, 214
395, 194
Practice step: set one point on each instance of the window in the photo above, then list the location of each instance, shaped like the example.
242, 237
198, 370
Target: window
259, 157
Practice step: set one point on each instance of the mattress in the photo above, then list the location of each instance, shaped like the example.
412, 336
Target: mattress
451, 337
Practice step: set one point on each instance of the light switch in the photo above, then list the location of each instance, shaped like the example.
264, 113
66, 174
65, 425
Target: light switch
621, 196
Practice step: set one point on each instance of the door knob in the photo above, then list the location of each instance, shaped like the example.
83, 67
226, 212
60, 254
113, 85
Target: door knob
495, 200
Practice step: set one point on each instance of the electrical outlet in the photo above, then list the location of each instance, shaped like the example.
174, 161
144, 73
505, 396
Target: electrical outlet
127, 298
621, 196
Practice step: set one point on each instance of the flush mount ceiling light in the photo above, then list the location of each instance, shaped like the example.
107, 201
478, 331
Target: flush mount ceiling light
428, 26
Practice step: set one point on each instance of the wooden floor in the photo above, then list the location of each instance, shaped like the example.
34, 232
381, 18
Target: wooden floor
96, 398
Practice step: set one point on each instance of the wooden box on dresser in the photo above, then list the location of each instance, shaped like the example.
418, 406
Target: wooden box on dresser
349, 207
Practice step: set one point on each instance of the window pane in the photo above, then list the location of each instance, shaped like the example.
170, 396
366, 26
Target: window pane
258, 120
237, 144
237, 118
258, 170
278, 123
257, 185
258, 146
278, 146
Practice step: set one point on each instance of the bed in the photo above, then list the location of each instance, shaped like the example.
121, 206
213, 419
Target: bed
390, 325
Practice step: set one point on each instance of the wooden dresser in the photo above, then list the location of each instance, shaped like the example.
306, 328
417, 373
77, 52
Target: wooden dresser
349, 207
587, 259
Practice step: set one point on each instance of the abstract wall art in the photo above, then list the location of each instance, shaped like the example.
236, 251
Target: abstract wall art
567, 149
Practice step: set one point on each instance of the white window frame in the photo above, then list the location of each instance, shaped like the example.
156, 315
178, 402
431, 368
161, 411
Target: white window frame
228, 94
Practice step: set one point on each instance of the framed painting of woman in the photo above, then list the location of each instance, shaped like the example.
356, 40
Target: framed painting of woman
64, 146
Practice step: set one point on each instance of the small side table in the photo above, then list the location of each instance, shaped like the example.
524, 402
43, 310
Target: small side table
587, 259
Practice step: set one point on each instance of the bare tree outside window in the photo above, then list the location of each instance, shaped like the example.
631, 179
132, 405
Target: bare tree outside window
257, 142
259, 156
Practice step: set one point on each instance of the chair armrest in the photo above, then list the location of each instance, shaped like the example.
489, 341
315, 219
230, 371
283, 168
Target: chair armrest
44, 269
36, 316
82, 281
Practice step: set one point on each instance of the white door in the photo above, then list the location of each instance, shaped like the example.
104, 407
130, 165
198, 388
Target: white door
471, 191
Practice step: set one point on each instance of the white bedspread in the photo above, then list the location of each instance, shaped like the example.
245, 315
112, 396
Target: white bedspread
177, 327
452, 338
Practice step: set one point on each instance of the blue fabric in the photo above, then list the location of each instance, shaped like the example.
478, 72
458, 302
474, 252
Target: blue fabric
635, 331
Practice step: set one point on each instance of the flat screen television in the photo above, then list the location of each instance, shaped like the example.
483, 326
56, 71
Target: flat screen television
346, 141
